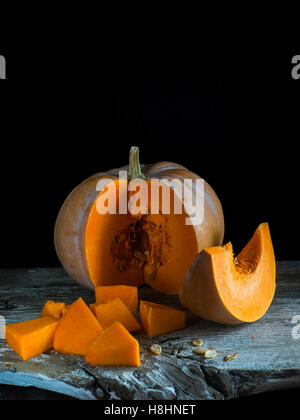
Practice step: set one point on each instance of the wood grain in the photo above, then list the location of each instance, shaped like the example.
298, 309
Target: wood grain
269, 361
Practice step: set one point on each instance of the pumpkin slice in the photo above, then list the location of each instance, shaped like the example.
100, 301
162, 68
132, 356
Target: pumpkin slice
31, 338
128, 295
54, 309
77, 329
160, 319
116, 310
231, 290
114, 347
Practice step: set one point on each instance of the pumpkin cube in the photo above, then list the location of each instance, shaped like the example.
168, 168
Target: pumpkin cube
160, 319
76, 330
31, 338
54, 309
128, 295
116, 310
114, 347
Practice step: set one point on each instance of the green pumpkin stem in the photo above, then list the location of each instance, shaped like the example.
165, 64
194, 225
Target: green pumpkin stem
134, 171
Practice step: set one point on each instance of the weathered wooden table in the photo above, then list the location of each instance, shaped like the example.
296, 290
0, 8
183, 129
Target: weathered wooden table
268, 351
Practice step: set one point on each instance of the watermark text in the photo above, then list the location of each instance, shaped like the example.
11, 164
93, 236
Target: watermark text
153, 196
296, 68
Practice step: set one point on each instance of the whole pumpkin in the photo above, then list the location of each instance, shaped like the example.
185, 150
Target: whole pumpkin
133, 249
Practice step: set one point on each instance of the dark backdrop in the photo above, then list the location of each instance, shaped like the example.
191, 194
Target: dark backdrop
232, 116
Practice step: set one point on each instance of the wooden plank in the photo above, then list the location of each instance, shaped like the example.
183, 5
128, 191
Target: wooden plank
270, 361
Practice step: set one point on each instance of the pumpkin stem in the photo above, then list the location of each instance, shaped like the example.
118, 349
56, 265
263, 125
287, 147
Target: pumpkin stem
134, 171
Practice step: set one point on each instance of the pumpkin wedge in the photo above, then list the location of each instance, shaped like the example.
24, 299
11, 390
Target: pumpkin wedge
76, 330
116, 310
99, 249
159, 319
228, 290
114, 347
54, 309
31, 338
128, 295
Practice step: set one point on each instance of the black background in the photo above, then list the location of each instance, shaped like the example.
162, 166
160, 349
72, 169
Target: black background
69, 110
76, 100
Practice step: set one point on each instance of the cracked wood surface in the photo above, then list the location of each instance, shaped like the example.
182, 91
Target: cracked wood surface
268, 356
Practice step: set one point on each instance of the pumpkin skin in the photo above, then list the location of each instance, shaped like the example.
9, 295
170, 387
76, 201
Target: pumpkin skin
225, 290
83, 238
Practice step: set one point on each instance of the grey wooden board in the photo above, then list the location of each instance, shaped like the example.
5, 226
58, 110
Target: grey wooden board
270, 361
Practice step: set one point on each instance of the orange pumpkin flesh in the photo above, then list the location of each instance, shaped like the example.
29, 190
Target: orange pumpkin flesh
230, 291
112, 249
116, 310
54, 309
160, 319
114, 347
130, 250
31, 338
76, 330
128, 295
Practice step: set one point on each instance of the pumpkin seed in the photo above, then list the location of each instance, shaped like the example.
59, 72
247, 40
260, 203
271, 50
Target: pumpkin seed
197, 350
197, 342
156, 349
209, 354
230, 357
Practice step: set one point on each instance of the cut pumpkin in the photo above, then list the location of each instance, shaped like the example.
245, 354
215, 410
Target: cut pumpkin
160, 319
31, 338
228, 290
116, 310
54, 309
114, 347
77, 329
139, 250
93, 307
128, 295
125, 247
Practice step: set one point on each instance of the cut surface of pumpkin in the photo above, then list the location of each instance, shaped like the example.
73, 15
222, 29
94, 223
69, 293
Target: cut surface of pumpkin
31, 338
140, 249
154, 245
228, 290
128, 295
160, 319
54, 309
114, 347
116, 310
77, 329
